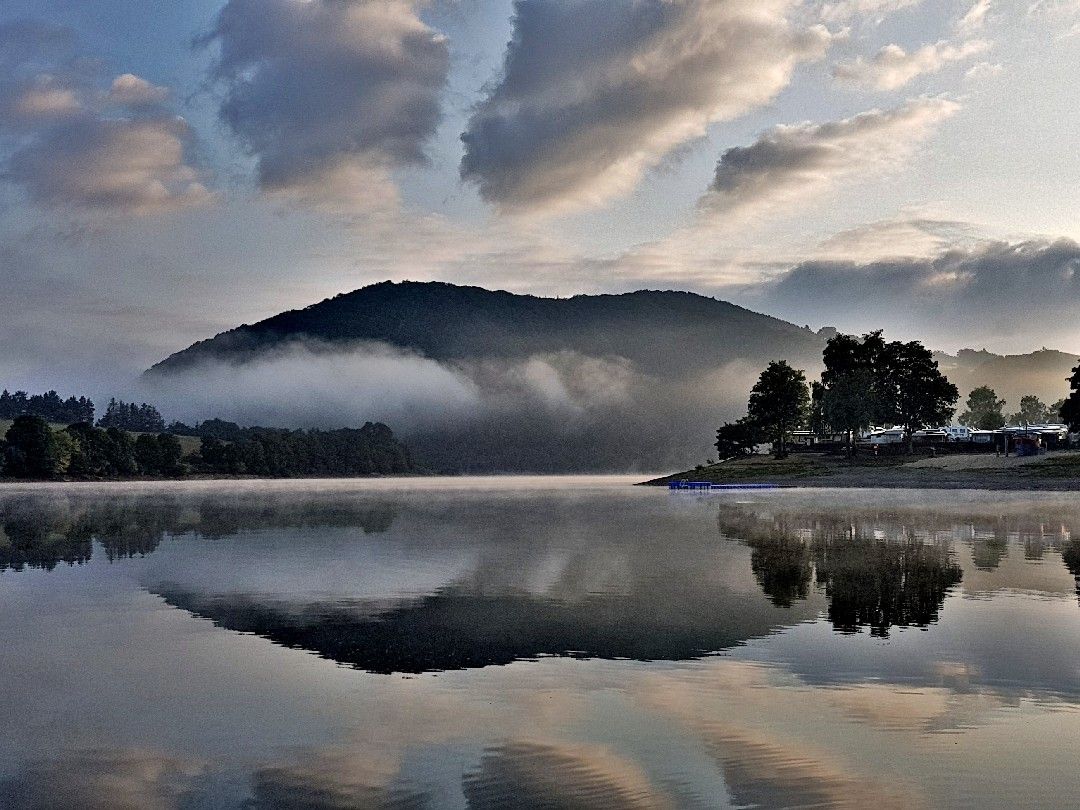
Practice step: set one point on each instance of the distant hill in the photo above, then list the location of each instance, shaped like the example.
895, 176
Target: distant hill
666, 333
1043, 373
590, 383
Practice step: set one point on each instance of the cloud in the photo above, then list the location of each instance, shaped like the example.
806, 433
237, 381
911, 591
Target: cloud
329, 94
983, 71
593, 94
893, 67
122, 166
132, 91
846, 10
67, 144
790, 162
986, 294
975, 17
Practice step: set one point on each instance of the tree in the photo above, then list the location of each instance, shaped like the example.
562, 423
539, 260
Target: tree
1070, 410
919, 395
1055, 410
736, 439
984, 409
849, 404
32, 450
779, 403
1033, 411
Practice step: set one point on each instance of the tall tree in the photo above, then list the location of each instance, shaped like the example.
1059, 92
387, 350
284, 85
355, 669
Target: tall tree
984, 409
1070, 410
919, 395
32, 450
779, 403
1033, 411
849, 403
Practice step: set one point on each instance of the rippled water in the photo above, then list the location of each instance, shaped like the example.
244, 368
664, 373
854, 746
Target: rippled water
485, 643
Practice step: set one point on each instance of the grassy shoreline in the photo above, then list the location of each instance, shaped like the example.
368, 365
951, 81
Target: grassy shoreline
1059, 471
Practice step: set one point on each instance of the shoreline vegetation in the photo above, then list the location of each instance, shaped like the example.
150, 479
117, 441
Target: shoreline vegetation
1056, 471
33, 449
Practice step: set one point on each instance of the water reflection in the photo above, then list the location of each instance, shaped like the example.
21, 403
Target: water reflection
588, 648
872, 574
43, 531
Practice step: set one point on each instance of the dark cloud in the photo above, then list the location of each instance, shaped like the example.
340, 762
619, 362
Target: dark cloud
320, 88
993, 292
594, 92
794, 161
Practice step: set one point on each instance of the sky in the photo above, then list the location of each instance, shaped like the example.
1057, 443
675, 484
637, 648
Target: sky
172, 170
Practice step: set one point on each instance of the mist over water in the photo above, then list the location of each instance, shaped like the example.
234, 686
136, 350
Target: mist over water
554, 412
493, 642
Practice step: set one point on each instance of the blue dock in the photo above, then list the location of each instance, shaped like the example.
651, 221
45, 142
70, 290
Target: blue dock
700, 486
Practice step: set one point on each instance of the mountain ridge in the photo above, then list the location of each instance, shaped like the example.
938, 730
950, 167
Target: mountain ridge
451, 322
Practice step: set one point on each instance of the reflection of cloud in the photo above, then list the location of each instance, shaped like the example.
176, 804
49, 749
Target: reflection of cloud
326, 782
527, 774
122, 779
762, 771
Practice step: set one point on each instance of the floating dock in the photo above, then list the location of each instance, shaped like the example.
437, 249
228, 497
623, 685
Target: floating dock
699, 486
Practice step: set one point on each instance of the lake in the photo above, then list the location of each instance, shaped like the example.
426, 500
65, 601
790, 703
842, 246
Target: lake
536, 642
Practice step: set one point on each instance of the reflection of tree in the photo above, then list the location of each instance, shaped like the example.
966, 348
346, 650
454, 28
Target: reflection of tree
869, 580
988, 550
41, 532
1070, 555
880, 584
783, 569
29, 542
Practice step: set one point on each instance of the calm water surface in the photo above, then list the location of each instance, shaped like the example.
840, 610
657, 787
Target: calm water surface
570, 643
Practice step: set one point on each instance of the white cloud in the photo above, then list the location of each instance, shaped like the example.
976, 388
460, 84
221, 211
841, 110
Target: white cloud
876, 10
594, 94
983, 71
133, 91
975, 18
130, 166
893, 67
70, 147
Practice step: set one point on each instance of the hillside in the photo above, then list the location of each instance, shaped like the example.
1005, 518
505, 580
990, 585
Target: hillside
667, 333
1043, 373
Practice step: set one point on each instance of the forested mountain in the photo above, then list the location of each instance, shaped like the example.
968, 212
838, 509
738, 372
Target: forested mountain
478, 381
661, 332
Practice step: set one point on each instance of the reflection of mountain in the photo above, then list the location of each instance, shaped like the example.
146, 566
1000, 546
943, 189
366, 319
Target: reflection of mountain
870, 580
42, 532
461, 626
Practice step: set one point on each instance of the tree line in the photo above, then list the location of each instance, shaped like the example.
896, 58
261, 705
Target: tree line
870, 381
986, 412
33, 449
49, 406
867, 381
